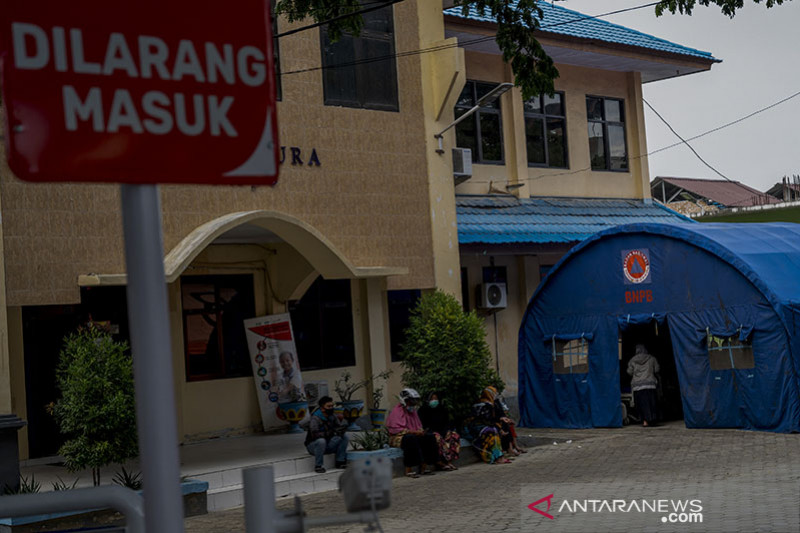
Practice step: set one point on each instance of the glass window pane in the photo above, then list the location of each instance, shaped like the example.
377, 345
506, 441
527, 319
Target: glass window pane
616, 147
482, 89
613, 110
534, 105
237, 304
491, 137
553, 105
202, 345
340, 82
379, 20
466, 135
534, 133
594, 108
197, 296
466, 98
378, 80
597, 147
556, 142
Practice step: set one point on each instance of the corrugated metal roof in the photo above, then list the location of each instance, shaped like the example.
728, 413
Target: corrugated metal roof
727, 193
564, 21
511, 220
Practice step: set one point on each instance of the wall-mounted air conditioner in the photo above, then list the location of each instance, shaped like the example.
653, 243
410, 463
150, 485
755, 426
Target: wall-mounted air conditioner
462, 164
492, 296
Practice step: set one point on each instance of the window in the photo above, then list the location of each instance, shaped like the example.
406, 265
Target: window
607, 146
571, 357
726, 353
400, 305
483, 131
495, 274
214, 338
546, 131
353, 76
322, 321
276, 55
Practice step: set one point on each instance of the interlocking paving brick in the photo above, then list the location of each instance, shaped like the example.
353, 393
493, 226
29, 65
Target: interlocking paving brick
727, 466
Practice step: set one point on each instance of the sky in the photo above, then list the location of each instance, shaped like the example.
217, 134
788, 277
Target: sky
760, 50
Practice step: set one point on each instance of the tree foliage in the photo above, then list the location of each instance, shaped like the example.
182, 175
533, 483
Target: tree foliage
97, 410
517, 22
446, 352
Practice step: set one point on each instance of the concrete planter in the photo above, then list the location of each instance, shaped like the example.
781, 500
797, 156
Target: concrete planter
194, 503
9, 459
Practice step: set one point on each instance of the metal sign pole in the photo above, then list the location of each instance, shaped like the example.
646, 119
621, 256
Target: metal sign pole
152, 359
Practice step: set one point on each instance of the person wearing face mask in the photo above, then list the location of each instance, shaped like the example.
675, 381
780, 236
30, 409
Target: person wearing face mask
326, 434
435, 420
405, 432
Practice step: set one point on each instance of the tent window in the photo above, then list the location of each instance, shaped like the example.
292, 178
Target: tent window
726, 353
571, 357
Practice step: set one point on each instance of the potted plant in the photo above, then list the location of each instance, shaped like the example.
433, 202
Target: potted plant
373, 444
294, 411
345, 387
377, 415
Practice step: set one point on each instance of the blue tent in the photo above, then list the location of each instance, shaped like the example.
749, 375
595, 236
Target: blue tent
729, 295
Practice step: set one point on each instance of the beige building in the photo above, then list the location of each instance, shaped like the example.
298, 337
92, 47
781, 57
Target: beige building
362, 217
550, 171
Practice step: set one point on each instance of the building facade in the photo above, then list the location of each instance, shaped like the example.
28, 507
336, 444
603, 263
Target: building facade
363, 205
363, 217
553, 170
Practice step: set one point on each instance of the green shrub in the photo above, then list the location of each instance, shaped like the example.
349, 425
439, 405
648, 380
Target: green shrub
63, 485
25, 486
370, 440
129, 480
446, 352
97, 410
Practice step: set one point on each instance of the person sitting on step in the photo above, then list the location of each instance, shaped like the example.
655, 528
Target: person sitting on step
405, 431
326, 434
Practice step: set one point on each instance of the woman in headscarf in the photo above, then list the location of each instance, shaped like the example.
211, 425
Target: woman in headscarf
507, 424
436, 421
483, 426
643, 368
405, 432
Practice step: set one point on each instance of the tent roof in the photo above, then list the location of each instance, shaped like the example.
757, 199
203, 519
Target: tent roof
766, 254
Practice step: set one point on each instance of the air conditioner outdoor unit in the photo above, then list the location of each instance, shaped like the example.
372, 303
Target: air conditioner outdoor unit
492, 296
462, 164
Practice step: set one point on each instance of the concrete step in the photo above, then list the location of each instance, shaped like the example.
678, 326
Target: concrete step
292, 476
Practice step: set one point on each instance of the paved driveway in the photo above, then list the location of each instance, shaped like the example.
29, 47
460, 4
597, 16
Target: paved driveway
629, 479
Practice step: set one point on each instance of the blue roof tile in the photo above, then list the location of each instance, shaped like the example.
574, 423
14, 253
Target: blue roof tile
565, 21
511, 220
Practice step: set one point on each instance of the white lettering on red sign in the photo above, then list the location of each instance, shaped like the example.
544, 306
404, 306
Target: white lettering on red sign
156, 112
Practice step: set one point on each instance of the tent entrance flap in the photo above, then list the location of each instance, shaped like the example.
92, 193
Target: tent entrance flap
657, 341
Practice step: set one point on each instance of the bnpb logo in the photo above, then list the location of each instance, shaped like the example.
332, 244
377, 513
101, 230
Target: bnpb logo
636, 265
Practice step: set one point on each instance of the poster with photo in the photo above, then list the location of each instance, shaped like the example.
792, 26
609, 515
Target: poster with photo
276, 370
